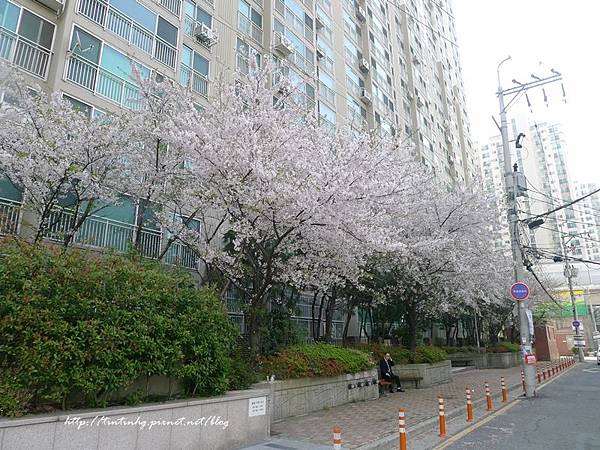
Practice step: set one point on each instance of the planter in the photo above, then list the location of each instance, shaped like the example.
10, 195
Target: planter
478, 360
221, 423
430, 374
502, 360
299, 396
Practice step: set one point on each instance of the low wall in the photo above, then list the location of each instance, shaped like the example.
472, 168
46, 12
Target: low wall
502, 360
299, 396
432, 374
477, 360
234, 420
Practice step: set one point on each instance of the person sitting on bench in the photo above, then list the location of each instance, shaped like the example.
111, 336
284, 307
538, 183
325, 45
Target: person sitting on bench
385, 368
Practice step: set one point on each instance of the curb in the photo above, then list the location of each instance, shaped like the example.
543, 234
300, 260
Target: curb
390, 442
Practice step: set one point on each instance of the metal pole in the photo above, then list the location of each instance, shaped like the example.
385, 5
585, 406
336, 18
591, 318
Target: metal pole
569, 275
589, 303
511, 191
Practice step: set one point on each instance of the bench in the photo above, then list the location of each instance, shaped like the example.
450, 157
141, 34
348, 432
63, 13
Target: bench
414, 378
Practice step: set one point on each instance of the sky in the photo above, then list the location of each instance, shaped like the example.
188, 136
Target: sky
538, 35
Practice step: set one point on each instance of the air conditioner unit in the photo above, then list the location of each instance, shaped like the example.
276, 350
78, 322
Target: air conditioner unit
360, 13
205, 35
320, 53
318, 23
419, 101
283, 45
363, 65
365, 96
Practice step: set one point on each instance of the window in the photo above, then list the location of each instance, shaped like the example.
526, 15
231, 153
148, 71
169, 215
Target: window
327, 113
194, 71
244, 53
30, 48
250, 13
143, 15
89, 110
167, 32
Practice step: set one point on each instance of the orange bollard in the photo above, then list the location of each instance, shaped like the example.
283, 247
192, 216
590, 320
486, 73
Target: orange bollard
469, 406
402, 429
488, 397
442, 415
539, 376
337, 438
504, 391
548, 372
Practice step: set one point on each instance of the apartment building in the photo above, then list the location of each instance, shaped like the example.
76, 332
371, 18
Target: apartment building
544, 161
389, 65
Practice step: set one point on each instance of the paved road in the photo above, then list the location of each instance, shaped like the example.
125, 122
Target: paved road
565, 415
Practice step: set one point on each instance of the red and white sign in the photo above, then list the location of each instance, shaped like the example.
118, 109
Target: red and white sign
530, 359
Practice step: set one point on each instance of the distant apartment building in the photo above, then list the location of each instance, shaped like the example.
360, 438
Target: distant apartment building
392, 66
543, 160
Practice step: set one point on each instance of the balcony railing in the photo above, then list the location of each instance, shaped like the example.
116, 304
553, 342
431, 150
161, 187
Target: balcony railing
296, 23
353, 87
23, 53
10, 213
326, 92
121, 25
302, 62
172, 5
102, 82
194, 80
101, 232
250, 29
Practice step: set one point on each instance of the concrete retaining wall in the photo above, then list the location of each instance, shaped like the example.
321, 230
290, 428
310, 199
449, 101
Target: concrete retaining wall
432, 374
502, 360
303, 395
234, 420
478, 360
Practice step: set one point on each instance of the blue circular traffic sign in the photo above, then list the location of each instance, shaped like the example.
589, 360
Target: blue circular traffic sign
519, 291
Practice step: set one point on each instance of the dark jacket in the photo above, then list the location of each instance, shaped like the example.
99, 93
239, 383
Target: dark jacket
385, 367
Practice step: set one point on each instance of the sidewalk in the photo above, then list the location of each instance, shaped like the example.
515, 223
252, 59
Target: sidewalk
366, 424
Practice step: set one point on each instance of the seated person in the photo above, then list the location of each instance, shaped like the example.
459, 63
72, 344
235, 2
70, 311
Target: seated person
385, 368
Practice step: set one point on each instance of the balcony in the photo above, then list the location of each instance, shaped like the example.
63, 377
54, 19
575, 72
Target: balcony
194, 80
250, 29
104, 233
23, 53
327, 93
136, 35
10, 213
103, 83
296, 23
172, 5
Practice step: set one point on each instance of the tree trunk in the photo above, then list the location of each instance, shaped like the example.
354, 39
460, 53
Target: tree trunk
411, 320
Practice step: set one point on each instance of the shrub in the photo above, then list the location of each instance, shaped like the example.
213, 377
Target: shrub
77, 327
315, 360
243, 373
504, 347
423, 354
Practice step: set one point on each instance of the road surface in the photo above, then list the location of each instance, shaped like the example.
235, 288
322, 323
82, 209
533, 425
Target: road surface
565, 415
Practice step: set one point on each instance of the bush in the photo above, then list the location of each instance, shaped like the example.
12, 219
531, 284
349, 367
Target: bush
75, 328
464, 349
423, 354
243, 373
504, 347
315, 360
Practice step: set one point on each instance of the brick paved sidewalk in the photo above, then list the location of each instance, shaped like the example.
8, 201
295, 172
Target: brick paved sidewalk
366, 422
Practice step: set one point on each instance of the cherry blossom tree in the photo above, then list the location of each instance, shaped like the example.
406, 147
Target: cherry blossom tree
60, 158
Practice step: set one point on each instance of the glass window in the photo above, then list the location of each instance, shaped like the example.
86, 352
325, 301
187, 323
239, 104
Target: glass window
256, 18
79, 106
200, 64
9, 15
203, 17
166, 31
85, 45
116, 62
326, 112
244, 8
132, 9
36, 29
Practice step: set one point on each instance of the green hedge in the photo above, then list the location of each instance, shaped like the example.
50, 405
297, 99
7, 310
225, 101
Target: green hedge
464, 349
315, 360
400, 355
75, 328
504, 347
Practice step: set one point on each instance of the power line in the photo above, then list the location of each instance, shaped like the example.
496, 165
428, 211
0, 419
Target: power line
566, 205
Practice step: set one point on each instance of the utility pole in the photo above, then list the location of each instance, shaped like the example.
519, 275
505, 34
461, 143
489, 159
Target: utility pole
570, 274
511, 175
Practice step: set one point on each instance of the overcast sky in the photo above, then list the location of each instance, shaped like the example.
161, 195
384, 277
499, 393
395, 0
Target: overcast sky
560, 34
